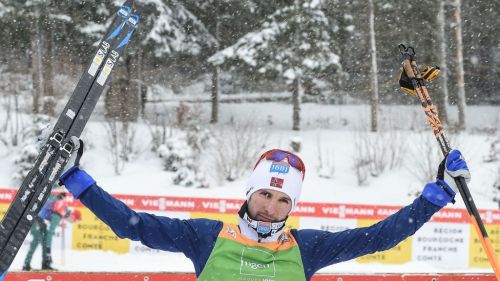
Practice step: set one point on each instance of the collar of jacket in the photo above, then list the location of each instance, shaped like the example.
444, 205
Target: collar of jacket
248, 227
249, 232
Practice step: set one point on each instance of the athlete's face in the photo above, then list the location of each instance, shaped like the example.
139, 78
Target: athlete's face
269, 205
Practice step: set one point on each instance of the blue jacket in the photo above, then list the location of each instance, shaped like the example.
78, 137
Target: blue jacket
196, 238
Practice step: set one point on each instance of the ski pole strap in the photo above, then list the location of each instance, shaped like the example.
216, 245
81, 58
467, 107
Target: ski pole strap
441, 183
436, 194
79, 153
407, 52
407, 56
440, 180
76, 162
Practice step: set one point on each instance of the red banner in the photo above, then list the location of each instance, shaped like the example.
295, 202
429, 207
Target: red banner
304, 209
144, 276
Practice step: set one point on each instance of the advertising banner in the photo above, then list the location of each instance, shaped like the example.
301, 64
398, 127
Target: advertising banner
447, 241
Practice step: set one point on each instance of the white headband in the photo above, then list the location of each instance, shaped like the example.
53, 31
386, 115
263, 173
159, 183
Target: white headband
279, 176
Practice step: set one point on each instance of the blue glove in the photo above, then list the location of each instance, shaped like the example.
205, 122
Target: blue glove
76, 181
444, 189
456, 166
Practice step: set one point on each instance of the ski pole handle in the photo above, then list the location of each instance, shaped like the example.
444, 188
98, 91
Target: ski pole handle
408, 59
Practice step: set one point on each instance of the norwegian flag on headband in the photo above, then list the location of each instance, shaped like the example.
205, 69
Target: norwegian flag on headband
277, 182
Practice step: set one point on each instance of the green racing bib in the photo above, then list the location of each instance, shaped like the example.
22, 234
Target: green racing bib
236, 258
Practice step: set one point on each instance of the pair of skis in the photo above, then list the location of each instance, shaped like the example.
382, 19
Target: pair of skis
55, 153
418, 84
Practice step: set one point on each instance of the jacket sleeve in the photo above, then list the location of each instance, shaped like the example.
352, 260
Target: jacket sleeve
194, 237
322, 248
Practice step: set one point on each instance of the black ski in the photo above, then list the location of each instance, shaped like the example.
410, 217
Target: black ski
55, 153
63, 124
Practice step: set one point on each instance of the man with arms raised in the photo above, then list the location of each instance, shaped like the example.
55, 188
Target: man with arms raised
260, 247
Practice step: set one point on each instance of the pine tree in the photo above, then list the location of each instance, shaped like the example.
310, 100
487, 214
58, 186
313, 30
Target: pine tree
481, 60
294, 43
167, 30
227, 20
37, 32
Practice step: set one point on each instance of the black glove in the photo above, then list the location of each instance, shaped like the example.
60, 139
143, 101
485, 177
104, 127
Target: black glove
405, 83
76, 155
429, 73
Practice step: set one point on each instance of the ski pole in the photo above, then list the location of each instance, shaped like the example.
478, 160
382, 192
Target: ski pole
411, 69
63, 242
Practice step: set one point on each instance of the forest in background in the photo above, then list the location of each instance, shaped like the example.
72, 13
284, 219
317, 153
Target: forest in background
321, 51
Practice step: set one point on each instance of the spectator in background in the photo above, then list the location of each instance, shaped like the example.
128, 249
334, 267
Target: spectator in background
43, 229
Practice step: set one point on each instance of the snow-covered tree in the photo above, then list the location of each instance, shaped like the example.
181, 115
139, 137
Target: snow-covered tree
37, 32
181, 151
226, 20
178, 157
167, 29
294, 43
35, 137
4, 9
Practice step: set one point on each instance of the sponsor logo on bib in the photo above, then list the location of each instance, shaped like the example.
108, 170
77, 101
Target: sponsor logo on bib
256, 262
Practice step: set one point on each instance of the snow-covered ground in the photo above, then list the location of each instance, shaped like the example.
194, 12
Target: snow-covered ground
327, 130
